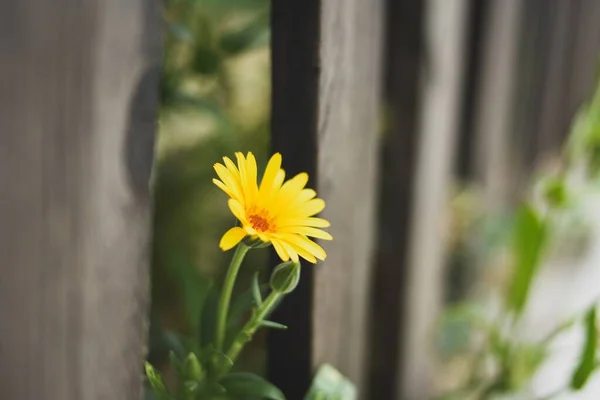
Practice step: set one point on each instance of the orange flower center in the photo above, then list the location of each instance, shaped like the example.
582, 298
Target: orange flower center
259, 223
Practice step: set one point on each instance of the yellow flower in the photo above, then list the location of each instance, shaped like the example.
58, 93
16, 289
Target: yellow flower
276, 212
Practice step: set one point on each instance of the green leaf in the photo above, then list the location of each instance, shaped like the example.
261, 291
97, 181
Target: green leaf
193, 369
216, 359
528, 243
156, 383
555, 192
213, 389
244, 385
177, 365
330, 384
256, 290
587, 360
274, 325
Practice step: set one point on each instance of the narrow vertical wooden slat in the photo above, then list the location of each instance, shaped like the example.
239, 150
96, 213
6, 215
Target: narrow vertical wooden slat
79, 87
326, 79
554, 71
585, 56
494, 112
554, 120
438, 123
348, 132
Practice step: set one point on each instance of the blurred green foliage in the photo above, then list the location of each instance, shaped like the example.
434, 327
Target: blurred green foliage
215, 91
500, 361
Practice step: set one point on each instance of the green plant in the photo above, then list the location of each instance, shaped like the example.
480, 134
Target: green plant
504, 362
203, 114
277, 213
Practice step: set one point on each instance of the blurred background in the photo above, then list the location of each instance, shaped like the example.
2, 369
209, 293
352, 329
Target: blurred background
215, 100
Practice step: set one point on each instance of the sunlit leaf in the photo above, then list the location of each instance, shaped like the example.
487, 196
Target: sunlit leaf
528, 243
587, 360
156, 383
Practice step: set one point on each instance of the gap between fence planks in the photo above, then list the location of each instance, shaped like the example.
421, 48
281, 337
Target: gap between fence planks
326, 80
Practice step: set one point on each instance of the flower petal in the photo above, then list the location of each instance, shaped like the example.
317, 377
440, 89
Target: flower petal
279, 178
308, 221
237, 210
289, 192
290, 250
296, 201
309, 208
305, 243
251, 185
280, 251
307, 231
231, 166
268, 179
229, 180
223, 187
302, 253
231, 238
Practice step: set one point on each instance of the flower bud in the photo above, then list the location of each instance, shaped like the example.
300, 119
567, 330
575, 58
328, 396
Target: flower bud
285, 277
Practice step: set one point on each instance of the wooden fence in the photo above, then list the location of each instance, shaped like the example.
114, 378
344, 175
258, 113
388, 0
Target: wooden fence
382, 102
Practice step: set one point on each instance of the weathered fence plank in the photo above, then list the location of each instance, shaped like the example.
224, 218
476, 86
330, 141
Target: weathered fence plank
325, 111
493, 110
438, 123
79, 84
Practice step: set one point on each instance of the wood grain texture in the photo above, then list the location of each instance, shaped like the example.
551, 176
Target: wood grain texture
79, 87
349, 110
439, 117
325, 111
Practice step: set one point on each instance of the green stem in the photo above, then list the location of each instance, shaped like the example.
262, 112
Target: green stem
252, 325
225, 298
